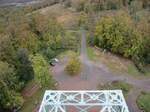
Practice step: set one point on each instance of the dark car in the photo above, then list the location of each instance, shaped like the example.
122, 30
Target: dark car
54, 61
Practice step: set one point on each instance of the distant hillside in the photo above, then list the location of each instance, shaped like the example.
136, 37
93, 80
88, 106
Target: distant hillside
27, 2
15, 1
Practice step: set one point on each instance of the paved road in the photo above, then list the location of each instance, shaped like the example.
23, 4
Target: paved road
95, 73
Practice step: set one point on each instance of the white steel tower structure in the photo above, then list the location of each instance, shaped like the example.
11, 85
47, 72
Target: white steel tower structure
83, 101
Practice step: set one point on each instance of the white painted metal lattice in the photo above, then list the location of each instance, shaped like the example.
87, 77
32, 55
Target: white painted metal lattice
83, 101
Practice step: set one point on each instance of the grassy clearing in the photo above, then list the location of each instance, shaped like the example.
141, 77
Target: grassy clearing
115, 63
132, 70
64, 16
116, 85
32, 102
144, 102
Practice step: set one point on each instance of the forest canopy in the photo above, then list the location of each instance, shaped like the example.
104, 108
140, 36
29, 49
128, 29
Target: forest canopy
118, 35
27, 44
29, 40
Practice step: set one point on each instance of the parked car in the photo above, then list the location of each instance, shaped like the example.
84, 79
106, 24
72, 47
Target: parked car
54, 61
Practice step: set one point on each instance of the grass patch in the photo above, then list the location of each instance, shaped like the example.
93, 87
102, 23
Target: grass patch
116, 63
32, 102
147, 73
91, 53
68, 53
29, 85
133, 70
111, 61
147, 70
116, 85
143, 102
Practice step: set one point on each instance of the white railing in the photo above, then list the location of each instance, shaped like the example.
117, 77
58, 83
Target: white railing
83, 101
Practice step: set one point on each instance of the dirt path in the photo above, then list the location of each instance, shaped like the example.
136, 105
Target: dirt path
29, 92
131, 100
94, 74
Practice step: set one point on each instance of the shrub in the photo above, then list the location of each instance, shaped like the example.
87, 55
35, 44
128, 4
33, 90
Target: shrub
67, 3
74, 66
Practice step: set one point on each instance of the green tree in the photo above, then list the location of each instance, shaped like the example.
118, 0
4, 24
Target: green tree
74, 66
83, 19
114, 4
41, 70
28, 40
49, 53
9, 95
7, 51
80, 5
25, 69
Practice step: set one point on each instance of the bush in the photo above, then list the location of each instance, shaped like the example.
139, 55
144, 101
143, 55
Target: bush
67, 3
113, 4
25, 69
74, 66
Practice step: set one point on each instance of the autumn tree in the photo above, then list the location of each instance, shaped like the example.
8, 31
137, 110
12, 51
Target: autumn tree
118, 35
74, 66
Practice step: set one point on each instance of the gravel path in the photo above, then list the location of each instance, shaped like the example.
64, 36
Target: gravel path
94, 74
